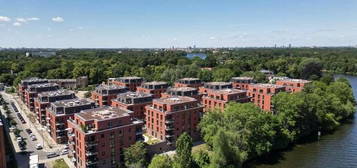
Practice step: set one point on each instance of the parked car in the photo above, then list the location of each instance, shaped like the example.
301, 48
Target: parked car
33, 137
64, 152
39, 147
19, 139
28, 131
52, 155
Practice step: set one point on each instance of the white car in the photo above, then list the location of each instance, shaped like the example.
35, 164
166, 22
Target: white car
64, 152
38, 146
19, 139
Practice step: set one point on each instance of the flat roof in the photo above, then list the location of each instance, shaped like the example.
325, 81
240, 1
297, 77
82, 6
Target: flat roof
295, 80
190, 79
109, 87
218, 83
59, 92
33, 79
72, 102
243, 78
133, 95
266, 85
228, 91
175, 100
181, 89
130, 77
103, 113
42, 85
155, 83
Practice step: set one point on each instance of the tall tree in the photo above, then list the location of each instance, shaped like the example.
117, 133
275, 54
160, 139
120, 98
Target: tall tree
160, 161
183, 152
135, 156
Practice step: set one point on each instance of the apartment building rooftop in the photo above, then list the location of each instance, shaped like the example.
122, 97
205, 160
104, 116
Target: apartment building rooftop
295, 80
103, 113
129, 78
72, 102
33, 80
266, 85
155, 83
189, 79
228, 91
181, 89
217, 83
175, 100
55, 93
41, 85
109, 87
242, 78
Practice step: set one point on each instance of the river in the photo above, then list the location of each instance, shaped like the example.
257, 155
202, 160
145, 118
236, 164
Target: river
337, 150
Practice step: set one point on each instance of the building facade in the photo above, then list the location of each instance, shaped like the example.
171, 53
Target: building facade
32, 91
59, 112
131, 82
182, 91
189, 82
104, 94
135, 102
27, 82
242, 82
2, 146
218, 99
293, 85
98, 137
168, 118
155, 88
44, 100
262, 94
79, 82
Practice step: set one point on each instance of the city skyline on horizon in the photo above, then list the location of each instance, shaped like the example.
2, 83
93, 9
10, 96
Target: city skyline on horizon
164, 24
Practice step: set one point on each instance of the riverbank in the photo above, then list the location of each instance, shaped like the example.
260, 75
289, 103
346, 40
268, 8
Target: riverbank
338, 149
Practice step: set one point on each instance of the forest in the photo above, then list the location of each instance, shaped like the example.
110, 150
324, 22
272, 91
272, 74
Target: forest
219, 65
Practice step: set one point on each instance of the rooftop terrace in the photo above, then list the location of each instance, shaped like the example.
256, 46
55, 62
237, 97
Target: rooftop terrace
103, 113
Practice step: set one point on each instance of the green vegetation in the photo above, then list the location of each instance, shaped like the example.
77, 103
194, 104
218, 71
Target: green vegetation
168, 66
160, 161
244, 131
136, 155
60, 163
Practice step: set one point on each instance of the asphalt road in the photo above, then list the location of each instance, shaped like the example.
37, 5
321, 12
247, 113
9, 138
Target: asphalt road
23, 157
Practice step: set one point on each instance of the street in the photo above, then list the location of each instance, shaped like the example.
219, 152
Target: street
42, 136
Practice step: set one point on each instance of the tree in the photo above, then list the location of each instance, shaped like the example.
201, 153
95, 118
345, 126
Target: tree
160, 161
201, 158
183, 158
222, 74
136, 155
310, 68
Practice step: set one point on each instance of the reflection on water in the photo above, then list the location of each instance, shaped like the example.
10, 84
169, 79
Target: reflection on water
338, 150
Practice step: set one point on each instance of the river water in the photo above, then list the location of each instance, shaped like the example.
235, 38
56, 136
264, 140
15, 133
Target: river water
337, 150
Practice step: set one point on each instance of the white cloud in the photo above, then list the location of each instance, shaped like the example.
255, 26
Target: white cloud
17, 24
33, 19
23, 20
4, 19
212, 38
58, 19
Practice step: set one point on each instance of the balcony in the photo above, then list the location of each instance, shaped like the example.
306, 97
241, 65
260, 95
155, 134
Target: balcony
169, 121
139, 132
91, 153
58, 123
91, 162
91, 143
168, 128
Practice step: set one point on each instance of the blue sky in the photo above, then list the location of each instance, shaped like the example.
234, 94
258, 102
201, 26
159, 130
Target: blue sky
180, 23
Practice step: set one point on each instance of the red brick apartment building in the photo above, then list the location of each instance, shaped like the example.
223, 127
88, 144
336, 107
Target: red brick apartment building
293, 85
97, 137
242, 82
214, 86
2, 147
168, 118
27, 82
131, 82
183, 91
33, 90
155, 88
189, 82
59, 112
103, 94
219, 98
44, 99
134, 101
261, 94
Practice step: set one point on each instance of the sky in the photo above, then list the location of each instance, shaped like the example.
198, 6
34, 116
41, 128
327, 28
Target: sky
179, 23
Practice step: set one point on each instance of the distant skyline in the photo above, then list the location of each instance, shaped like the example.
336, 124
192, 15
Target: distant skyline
179, 23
